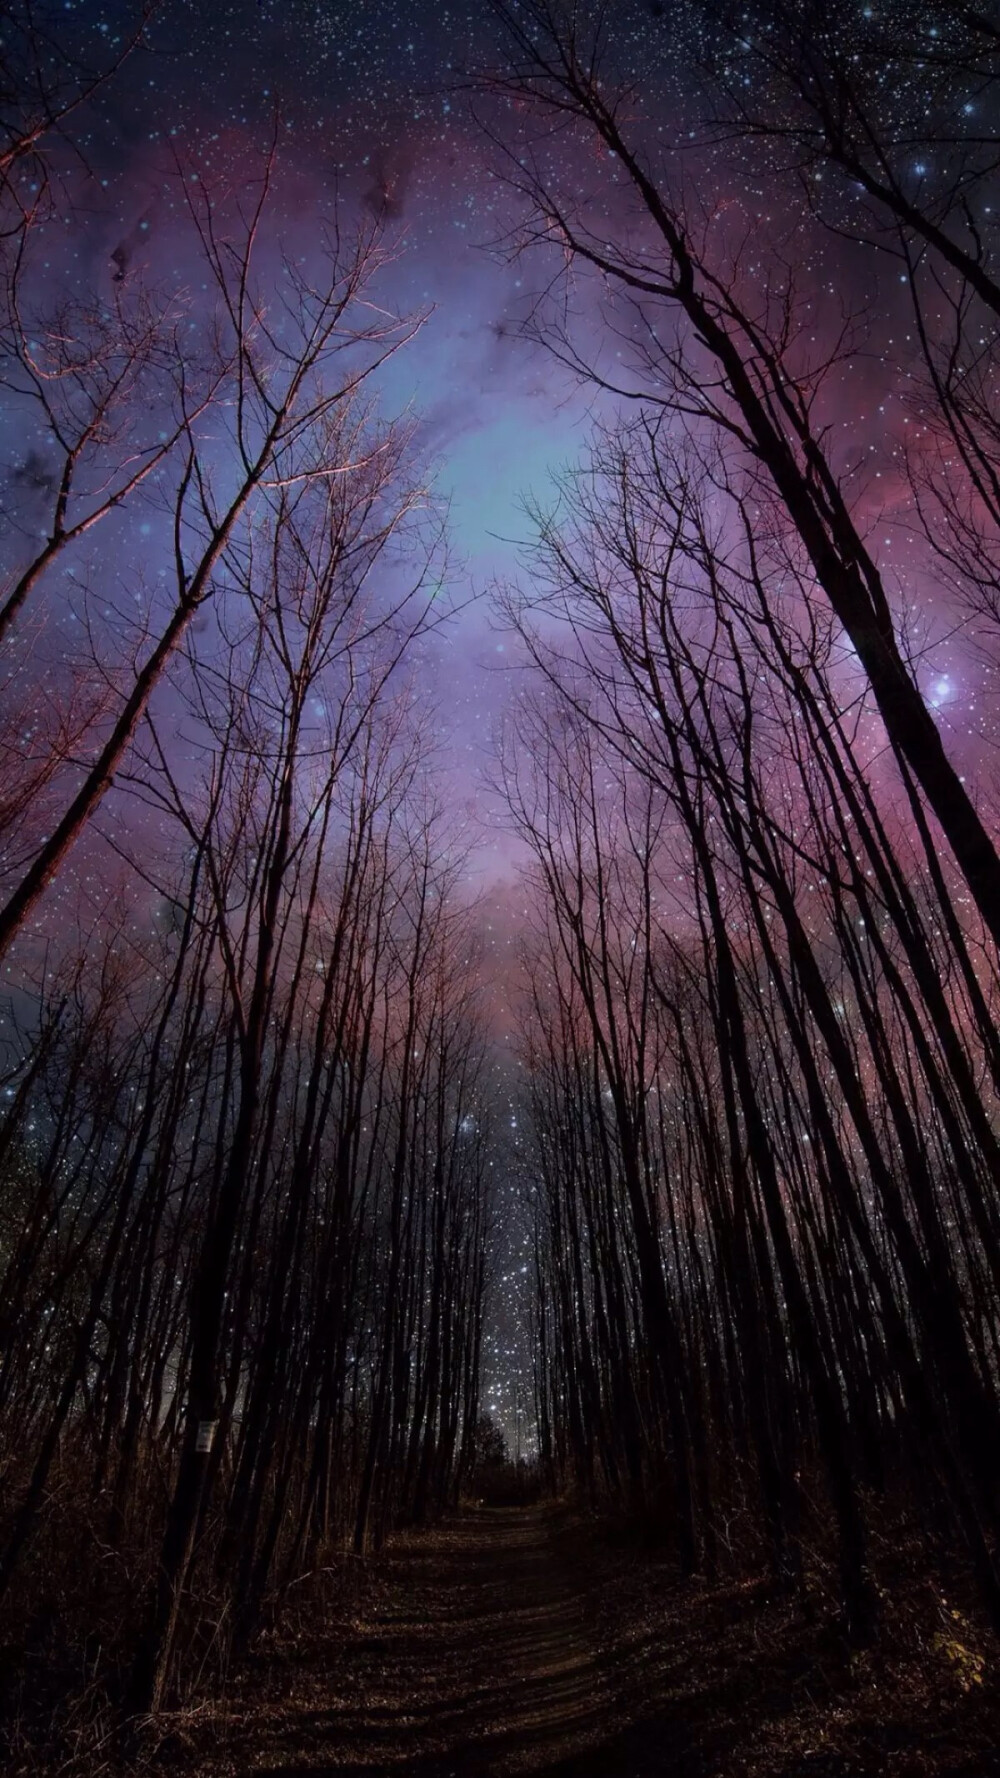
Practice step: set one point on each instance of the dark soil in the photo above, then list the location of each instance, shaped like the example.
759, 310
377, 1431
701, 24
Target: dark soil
519, 1641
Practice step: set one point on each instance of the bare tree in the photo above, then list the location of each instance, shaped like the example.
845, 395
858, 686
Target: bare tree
722, 347
279, 386
890, 140
764, 880
48, 73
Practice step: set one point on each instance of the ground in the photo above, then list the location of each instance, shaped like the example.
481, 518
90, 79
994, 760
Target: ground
520, 1640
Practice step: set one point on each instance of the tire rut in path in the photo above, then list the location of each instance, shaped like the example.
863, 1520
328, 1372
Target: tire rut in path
479, 1659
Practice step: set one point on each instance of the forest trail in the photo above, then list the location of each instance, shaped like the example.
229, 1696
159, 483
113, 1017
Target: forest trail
515, 1641
477, 1657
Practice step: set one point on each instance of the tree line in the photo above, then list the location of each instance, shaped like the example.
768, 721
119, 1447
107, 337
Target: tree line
760, 1039
245, 1223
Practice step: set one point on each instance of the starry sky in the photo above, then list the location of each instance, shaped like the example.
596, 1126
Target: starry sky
365, 112
370, 112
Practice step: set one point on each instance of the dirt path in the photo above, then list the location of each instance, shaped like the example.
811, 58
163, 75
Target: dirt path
515, 1642
477, 1658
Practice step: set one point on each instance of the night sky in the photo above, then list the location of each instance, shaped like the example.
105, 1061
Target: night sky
371, 113
366, 118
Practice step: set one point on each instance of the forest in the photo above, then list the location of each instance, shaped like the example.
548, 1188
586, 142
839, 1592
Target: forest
267, 1144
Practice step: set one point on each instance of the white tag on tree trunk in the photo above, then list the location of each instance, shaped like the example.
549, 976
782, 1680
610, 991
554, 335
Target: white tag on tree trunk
206, 1435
